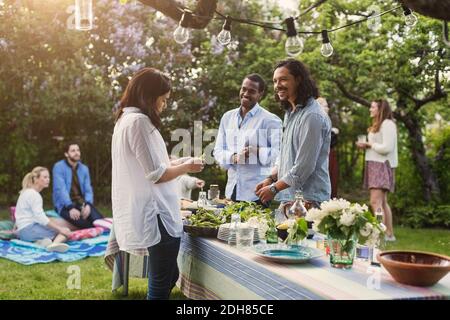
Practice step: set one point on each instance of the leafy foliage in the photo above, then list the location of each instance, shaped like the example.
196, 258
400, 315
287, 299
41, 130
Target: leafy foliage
59, 83
427, 216
247, 210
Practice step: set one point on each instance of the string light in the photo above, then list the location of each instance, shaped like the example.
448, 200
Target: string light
224, 37
181, 33
294, 44
374, 23
83, 15
410, 18
327, 49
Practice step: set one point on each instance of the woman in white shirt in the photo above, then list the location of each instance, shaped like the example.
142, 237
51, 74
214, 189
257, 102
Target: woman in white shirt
381, 161
31, 222
145, 193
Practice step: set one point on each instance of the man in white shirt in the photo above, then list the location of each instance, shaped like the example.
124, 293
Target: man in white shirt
248, 141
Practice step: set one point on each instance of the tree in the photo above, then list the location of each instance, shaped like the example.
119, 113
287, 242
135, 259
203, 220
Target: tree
406, 66
439, 9
204, 11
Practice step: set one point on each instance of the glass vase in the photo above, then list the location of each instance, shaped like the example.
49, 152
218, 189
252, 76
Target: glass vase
342, 251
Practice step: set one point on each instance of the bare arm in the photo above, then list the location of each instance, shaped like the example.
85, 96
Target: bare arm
64, 231
179, 161
173, 172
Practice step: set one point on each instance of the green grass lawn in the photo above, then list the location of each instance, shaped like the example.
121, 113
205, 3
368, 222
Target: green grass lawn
49, 281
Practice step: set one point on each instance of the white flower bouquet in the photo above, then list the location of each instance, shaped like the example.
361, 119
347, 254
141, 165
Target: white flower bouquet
340, 219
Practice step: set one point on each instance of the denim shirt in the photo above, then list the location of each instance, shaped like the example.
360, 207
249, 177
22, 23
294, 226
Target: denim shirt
305, 147
62, 181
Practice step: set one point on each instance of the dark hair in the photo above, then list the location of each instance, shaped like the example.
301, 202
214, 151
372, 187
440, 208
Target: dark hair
142, 92
307, 86
384, 112
68, 144
257, 78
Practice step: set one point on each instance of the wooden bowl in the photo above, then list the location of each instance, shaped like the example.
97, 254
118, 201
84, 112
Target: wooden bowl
415, 268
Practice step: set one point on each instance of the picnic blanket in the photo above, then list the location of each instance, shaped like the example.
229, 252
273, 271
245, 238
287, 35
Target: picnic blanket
28, 253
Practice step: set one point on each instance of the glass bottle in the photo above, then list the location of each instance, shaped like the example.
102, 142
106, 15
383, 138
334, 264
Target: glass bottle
380, 245
298, 207
202, 202
234, 224
298, 210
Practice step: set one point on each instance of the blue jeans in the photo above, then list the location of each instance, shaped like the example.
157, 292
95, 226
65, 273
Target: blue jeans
82, 223
36, 231
163, 267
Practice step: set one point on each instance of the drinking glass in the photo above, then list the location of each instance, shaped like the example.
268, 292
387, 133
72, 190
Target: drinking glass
244, 237
362, 138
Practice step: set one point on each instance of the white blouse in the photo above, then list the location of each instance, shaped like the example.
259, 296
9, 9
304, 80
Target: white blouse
29, 209
139, 159
384, 144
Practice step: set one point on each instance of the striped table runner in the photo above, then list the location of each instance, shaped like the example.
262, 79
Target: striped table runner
210, 269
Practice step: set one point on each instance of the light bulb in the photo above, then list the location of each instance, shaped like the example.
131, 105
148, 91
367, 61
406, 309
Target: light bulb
294, 46
224, 37
410, 18
327, 48
374, 20
181, 35
84, 16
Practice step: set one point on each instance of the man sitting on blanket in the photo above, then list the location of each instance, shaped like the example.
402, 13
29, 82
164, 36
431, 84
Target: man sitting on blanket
73, 196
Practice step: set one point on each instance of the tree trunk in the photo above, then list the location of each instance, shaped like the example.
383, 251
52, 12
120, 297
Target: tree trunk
439, 9
205, 11
430, 183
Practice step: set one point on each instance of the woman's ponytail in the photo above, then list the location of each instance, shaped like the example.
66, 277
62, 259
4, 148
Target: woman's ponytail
31, 177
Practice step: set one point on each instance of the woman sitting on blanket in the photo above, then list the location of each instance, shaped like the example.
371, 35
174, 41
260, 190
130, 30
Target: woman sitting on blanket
31, 221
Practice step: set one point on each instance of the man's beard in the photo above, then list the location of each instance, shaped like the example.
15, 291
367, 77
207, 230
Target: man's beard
285, 104
73, 159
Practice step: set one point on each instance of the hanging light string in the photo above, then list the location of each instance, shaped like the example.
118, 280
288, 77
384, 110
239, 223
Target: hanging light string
371, 16
264, 24
294, 43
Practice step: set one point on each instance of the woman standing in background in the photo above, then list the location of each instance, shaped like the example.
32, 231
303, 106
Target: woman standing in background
381, 160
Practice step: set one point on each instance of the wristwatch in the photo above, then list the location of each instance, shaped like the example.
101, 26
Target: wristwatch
273, 189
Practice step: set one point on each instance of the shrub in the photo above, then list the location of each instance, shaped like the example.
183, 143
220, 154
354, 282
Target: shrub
426, 216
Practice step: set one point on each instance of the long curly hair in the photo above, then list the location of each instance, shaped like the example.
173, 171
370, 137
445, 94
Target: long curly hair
307, 86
